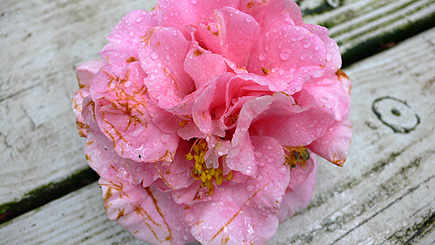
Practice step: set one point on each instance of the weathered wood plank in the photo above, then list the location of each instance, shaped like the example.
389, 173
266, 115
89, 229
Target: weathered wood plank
383, 194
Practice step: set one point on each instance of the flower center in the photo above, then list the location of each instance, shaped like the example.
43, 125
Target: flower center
200, 171
296, 155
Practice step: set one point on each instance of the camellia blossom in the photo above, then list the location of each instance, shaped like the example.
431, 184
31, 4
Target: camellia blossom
203, 118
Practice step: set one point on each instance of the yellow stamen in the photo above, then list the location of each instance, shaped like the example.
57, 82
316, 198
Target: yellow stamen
296, 155
200, 171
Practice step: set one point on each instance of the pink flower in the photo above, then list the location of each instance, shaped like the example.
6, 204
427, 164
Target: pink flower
204, 117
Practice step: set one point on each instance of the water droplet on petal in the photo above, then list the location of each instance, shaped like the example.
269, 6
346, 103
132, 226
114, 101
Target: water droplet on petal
139, 19
250, 188
193, 2
131, 34
258, 154
262, 57
154, 55
270, 160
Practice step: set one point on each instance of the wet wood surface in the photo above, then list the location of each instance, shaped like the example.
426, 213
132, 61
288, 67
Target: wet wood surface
382, 195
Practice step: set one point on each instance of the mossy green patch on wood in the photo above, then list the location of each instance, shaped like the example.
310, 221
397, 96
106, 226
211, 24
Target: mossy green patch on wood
46, 193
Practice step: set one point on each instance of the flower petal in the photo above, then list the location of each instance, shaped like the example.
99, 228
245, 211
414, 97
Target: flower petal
122, 115
176, 174
124, 38
244, 213
149, 214
202, 65
106, 162
162, 53
231, 33
298, 197
87, 71
334, 145
292, 53
189, 12
273, 13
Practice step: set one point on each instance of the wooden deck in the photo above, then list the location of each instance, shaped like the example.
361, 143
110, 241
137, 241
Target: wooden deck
383, 194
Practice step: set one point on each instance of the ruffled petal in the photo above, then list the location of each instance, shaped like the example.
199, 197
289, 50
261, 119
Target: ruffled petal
299, 197
149, 214
176, 174
334, 145
122, 115
124, 38
244, 213
333, 56
87, 71
162, 53
230, 33
106, 162
202, 65
291, 53
273, 13
189, 12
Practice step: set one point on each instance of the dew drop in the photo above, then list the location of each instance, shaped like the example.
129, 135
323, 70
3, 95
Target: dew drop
262, 56
269, 148
250, 188
248, 19
259, 154
167, 46
270, 160
154, 55
285, 53
131, 34
193, 2
139, 19
302, 57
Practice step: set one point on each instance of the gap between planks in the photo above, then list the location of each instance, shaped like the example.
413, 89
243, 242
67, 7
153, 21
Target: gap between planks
383, 190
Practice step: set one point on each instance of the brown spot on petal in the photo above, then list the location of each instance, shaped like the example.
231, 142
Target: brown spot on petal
197, 52
338, 162
225, 240
250, 5
216, 33
120, 213
146, 38
131, 59
341, 75
265, 70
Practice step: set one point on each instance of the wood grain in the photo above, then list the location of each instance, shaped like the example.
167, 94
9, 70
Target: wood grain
384, 194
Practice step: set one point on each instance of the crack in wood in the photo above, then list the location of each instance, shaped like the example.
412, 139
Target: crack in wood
410, 190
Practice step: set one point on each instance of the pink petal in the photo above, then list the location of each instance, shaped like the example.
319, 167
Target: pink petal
244, 213
121, 112
189, 12
149, 214
124, 38
202, 65
299, 128
106, 162
333, 56
334, 145
87, 71
77, 104
176, 174
292, 53
162, 53
297, 198
230, 33
301, 172
274, 13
